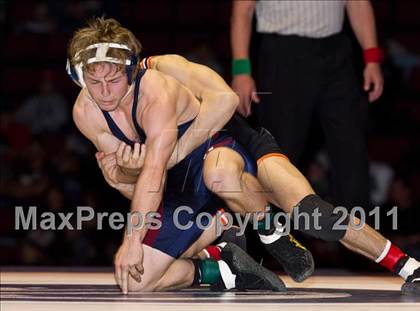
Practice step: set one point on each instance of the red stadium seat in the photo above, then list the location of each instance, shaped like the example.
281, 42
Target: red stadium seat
23, 46
186, 41
224, 10
19, 80
389, 150
407, 13
145, 13
155, 43
414, 82
409, 40
56, 47
22, 11
194, 13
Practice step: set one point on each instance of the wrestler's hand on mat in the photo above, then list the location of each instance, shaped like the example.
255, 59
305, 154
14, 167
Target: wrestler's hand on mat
131, 159
109, 167
373, 76
129, 261
244, 86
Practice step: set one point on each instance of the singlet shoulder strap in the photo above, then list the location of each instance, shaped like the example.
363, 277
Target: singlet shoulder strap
115, 130
139, 130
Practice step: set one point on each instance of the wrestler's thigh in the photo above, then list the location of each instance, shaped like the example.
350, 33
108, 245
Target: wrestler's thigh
285, 184
207, 237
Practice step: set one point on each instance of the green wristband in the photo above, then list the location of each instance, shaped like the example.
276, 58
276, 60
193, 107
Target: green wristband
241, 66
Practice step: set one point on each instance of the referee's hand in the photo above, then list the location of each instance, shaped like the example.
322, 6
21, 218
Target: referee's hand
244, 86
373, 81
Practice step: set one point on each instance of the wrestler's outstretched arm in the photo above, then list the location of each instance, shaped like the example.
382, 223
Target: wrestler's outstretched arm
159, 121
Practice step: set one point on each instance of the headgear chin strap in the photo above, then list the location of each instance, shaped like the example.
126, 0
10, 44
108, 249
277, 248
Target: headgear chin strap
76, 71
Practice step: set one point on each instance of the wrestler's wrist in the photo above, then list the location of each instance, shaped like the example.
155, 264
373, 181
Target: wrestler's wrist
130, 171
128, 188
133, 234
124, 177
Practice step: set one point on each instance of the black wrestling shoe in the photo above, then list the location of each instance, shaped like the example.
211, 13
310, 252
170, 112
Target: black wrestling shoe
248, 274
230, 236
295, 259
411, 287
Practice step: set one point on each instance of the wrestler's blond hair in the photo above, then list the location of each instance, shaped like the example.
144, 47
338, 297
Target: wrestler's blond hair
100, 30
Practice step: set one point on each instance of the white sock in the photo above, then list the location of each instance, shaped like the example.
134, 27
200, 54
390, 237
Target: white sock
409, 267
227, 276
221, 245
277, 234
384, 252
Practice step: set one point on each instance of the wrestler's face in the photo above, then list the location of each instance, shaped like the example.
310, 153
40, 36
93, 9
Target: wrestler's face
106, 84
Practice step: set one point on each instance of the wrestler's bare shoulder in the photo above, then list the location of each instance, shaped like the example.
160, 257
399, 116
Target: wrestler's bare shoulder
156, 84
84, 106
87, 116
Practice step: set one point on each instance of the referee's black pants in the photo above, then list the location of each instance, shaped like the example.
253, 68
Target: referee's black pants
307, 76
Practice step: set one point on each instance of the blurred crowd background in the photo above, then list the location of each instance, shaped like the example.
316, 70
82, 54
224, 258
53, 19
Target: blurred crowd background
45, 162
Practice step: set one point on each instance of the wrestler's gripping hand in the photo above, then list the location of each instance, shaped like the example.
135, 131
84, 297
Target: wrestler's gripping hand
131, 159
129, 261
109, 167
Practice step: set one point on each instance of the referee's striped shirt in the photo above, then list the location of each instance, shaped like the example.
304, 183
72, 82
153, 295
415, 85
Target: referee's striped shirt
307, 18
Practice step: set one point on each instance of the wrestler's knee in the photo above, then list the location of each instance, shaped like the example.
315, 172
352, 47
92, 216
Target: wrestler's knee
224, 171
221, 178
146, 285
155, 266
